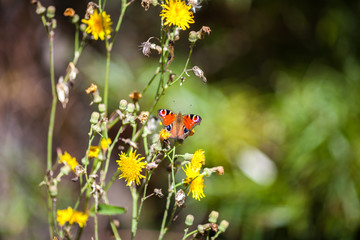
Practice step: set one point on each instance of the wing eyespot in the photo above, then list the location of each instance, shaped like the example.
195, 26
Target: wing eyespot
169, 127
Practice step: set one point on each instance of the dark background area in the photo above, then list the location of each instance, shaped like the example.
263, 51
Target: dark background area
280, 112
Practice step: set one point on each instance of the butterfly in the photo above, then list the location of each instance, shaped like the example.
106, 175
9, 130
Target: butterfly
178, 125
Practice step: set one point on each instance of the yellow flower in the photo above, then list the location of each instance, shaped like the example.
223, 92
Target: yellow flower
196, 182
198, 159
98, 25
80, 218
70, 161
105, 144
164, 135
63, 216
131, 167
177, 13
71, 216
93, 151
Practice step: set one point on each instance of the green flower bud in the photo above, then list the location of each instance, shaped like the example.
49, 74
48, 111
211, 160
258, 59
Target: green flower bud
213, 216
40, 9
53, 191
50, 12
123, 104
201, 229
189, 220
82, 27
188, 156
130, 108
94, 117
102, 107
75, 18
193, 37
223, 225
96, 128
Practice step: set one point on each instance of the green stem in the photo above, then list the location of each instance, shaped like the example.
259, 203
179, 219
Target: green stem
191, 233
135, 197
186, 65
106, 84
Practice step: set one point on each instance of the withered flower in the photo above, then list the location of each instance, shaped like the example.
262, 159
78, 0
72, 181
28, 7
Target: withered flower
69, 12
135, 96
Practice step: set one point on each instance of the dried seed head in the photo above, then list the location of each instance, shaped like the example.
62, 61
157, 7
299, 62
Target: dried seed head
91, 7
145, 4
143, 117
69, 12
72, 71
158, 192
145, 48
151, 166
180, 198
62, 90
203, 31
195, 4
199, 73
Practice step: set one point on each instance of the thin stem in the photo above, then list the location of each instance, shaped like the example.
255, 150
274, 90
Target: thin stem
186, 64
191, 233
157, 71
106, 84
135, 197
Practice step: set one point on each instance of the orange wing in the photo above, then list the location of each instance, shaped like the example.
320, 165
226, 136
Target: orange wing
191, 120
166, 116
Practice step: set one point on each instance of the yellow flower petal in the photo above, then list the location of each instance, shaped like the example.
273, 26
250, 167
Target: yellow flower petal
176, 12
98, 25
131, 167
70, 161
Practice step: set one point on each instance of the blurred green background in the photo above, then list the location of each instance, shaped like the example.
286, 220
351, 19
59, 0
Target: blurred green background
280, 112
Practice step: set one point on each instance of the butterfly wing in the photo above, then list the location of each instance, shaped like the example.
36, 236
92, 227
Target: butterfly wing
167, 117
191, 120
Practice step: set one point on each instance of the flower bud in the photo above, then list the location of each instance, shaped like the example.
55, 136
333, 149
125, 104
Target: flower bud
50, 12
75, 18
189, 220
102, 107
53, 23
83, 27
94, 117
53, 191
97, 129
154, 2
188, 156
223, 225
213, 216
40, 9
130, 108
201, 229
123, 104
193, 37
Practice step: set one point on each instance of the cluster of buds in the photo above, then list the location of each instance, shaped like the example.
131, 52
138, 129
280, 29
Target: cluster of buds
211, 226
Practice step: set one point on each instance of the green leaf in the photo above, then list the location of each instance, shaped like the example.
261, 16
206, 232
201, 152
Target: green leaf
105, 209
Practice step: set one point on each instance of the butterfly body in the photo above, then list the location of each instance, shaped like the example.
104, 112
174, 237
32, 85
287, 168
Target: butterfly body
179, 126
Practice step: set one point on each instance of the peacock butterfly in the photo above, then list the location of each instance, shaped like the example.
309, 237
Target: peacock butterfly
178, 125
